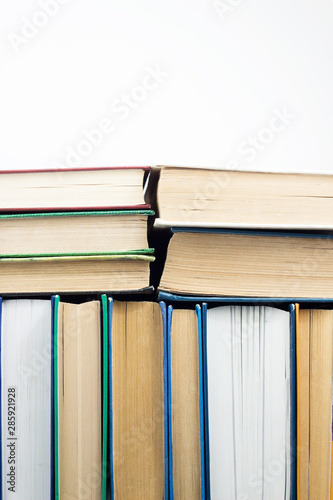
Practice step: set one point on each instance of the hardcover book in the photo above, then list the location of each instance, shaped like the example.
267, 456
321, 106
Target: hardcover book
249, 402
248, 264
138, 400
75, 273
80, 399
26, 400
314, 337
185, 405
68, 233
80, 189
203, 197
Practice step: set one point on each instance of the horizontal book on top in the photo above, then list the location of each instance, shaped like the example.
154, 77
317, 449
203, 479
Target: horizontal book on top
79, 189
201, 197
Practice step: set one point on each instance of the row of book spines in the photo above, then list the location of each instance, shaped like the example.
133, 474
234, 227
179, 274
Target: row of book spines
201, 312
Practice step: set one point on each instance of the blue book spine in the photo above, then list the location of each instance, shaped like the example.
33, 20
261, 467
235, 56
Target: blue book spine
165, 387
205, 399
52, 399
55, 299
293, 404
169, 324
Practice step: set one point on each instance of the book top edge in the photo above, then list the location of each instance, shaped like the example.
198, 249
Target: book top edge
81, 169
242, 170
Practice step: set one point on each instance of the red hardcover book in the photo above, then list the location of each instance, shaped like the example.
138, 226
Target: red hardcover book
98, 188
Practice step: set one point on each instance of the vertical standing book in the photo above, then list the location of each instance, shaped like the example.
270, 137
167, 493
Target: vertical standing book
138, 395
249, 404
314, 335
26, 400
80, 346
185, 404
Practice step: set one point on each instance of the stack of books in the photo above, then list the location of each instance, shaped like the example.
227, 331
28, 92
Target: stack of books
254, 250
74, 231
63, 232
217, 387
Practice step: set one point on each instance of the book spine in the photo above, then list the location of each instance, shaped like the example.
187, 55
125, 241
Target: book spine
201, 403
205, 399
169, 402
52, 459
110, 311
105, 392
55, 320
165, 387
293, 309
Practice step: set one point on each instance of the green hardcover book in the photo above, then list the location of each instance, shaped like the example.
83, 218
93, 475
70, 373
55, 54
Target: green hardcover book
64, 233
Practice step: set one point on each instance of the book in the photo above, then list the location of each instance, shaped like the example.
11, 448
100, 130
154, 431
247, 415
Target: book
82, 273
203, 197
249, 407
80, 402
138, 400
314, 402
78, 189
185, 405
248, 264
65, 233
26, 400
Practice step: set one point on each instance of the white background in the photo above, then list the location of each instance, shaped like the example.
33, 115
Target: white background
226, 71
